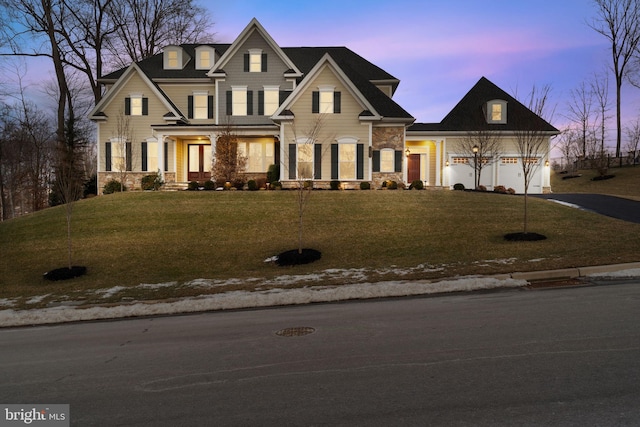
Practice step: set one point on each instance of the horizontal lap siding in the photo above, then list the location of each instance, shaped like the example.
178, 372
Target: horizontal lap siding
334, 126
179, 94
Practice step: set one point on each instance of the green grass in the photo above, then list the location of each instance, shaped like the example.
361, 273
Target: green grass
156, 237
626, 183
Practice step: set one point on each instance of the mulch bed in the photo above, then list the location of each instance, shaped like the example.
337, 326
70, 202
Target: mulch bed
293, 257
65, 273
524, 237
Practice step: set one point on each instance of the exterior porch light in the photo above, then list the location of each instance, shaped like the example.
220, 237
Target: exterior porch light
475, 166
446, 164
407, 152
546, 163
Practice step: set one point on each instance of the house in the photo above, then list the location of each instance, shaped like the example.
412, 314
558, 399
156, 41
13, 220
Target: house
321, 113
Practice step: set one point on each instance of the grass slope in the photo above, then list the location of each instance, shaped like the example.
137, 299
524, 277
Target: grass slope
625, 184
156, 237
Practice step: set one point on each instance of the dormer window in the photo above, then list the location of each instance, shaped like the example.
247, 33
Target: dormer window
326, 100
204, 57
174, 58
497, 111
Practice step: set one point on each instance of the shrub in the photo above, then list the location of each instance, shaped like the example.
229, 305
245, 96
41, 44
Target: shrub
113, 186
252, 185
482, 188
209, 185
193, 186
500, 189
364, 185
511, 191
391, 185
273, 173
152, 181
90, 186
416, 185
334, 185
276, 185
458, 186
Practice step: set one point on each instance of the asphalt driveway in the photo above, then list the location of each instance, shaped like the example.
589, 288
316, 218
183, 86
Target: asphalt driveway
616, 207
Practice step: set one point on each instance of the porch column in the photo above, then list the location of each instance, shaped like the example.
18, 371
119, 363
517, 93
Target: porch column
439, 164
213, 138
160, 138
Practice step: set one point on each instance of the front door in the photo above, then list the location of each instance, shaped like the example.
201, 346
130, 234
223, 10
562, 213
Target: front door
199, 163
413, 168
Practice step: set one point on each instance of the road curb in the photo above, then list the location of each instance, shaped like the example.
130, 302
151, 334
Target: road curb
571, 273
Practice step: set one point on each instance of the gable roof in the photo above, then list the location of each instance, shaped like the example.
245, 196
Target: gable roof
254, 26
97, 112
469, 114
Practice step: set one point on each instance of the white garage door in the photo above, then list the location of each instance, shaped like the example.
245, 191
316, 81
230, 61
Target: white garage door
510, 175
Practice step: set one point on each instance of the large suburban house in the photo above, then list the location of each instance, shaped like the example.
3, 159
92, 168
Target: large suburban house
321, 114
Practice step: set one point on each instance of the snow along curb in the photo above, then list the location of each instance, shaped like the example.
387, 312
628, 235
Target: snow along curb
255, 299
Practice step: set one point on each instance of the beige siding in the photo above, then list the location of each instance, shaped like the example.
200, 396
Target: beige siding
333, 126
179, 95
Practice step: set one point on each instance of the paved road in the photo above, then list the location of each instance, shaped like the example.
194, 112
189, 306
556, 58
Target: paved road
542, 357
616, 207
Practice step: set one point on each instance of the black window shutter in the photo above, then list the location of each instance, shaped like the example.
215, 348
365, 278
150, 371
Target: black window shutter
264, 62
246, 62
249, 103
127, 106
229, 103
292, 161
261, 103
144, 155
128, 154
398, 161
317, 161
107, 156
360, 161
334, 161
145, 106
315, 108
190, 107
166, 156
284, 94
336, 102
210, 107
375, 160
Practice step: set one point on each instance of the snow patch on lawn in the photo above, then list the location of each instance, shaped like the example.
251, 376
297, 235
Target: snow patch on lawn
633, 272
247, 299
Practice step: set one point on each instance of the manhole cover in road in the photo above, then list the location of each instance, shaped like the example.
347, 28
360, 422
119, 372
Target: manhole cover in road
295, 332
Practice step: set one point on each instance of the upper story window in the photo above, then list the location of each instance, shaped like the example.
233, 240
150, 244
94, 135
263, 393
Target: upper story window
201, 105
255, 61
174, 58
497, 111
270, 100
204, 57
136, 105
326, 100
239, 101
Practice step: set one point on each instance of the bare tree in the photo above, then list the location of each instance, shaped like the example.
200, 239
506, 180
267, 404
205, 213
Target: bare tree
569, 145
483, 147
144, 27
619, 22
633, 140
122, 149
532, 140
600, 89
229, 164
580, 108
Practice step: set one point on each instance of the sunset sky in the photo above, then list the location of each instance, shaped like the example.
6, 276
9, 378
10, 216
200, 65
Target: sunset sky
439, 49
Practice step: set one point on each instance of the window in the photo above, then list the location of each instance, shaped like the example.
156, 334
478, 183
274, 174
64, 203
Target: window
305, 161
326, 100
509, 160
239, 101
136, 105
152, 156
497, 111
460, 160
172, 59
387, 156
255, 61
271, 100
205, 59
118, 155
200, 106
347, 161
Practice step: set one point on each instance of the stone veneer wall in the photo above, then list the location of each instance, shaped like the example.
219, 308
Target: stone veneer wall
387, 137
132, 181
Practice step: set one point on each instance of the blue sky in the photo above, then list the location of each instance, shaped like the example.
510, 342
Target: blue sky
439, 49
